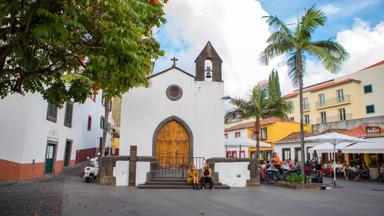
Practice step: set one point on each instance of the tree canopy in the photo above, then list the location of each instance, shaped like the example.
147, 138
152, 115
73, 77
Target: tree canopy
64, 49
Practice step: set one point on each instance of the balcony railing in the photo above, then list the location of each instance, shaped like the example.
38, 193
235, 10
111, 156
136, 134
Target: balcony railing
335, 118
333, 102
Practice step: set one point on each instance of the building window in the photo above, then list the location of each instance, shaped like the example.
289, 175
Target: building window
242, 154
342, 116
322, 99
89, 124
297, 154
367, 89
306, 104
291, 105
264, 134
370, 109
323, 116
51, 113
286, 154
237, 134
292, 119
68, 114
229, 154
102, 120
340, 95
226, 136
234, 154
306, 119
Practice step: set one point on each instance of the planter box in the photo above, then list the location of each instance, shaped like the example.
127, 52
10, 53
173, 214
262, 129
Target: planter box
298, 186
374, 173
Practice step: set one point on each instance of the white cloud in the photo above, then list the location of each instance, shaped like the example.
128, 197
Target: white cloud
235, 29
365, 45
346, 8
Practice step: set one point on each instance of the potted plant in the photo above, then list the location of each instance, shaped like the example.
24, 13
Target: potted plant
373, 169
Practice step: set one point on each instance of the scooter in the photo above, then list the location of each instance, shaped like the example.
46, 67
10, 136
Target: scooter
91, 170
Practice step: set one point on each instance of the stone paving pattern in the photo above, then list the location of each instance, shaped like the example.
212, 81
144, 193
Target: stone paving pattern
69, 195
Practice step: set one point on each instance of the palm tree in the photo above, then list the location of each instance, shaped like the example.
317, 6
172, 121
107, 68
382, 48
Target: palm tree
298, 45
258, 106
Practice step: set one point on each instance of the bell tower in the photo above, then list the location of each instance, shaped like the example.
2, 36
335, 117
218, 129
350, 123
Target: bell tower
203, 71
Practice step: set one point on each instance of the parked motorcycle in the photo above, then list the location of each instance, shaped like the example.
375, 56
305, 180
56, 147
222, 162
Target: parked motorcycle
91, 170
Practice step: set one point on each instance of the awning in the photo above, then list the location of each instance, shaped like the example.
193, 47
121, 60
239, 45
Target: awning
365, 147
328, 147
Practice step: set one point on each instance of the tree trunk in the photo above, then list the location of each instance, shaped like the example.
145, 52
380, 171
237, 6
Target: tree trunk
107, 101
300, 77
257, 133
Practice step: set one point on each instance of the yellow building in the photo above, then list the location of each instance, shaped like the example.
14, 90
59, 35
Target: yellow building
353, 96
272, 130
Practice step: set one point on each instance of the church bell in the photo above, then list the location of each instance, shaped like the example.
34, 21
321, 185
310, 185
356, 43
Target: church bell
209, 72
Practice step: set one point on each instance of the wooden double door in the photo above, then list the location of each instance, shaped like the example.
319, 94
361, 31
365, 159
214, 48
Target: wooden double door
173, 145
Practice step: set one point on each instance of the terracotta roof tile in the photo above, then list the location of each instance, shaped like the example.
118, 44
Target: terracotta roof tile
374, 65
321, 86
361, 131
252, 124
293, 137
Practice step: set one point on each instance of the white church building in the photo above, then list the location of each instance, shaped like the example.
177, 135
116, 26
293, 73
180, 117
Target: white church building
179, 117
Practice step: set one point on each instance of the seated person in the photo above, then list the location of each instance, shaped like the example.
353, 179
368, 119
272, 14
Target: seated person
344, 170
262, 168
193, 177
277, 162
357, 173
206, 177
364, 171
285, 166
365, 166
381, 173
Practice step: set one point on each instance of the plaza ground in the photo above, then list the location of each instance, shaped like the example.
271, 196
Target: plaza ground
69, 195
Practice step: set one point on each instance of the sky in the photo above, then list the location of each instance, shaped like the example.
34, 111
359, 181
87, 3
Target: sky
238, 32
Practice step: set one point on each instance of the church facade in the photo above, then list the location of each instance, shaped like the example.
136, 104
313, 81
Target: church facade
179, 116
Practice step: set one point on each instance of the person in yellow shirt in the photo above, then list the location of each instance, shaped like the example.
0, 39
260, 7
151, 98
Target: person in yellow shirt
193, 178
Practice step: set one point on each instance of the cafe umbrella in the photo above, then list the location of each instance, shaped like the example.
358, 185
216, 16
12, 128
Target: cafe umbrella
334, 139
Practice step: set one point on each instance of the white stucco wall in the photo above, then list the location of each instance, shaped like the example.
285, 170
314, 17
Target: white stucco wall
25, 130
292, 145
121, 172
233, 174
201, 107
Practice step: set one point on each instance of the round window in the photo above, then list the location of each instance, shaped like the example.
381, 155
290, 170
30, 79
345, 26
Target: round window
174, 92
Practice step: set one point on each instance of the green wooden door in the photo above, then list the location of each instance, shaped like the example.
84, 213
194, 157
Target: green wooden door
49, 158
67, 153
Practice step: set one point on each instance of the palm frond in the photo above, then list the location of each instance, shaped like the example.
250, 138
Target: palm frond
330, 53
273, 50
293, 67
278, 25
312, 19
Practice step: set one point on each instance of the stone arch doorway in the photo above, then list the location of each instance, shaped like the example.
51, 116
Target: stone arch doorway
172, 143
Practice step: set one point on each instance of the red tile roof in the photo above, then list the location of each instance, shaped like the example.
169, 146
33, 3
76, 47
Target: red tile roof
374, 65
361, 131
252, 124
322, 86
293, 137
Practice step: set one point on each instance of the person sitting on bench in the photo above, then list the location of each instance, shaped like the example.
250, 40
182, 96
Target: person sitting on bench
206, 177
193, 178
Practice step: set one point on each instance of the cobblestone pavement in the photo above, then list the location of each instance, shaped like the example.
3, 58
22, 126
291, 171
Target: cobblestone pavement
38, 197
69, 195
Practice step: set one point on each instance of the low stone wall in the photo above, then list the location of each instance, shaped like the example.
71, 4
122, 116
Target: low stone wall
298, 186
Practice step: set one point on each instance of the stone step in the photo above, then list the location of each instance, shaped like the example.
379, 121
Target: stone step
173, 183
175, 186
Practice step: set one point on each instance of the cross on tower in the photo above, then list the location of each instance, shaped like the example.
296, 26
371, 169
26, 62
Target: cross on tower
174, 59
